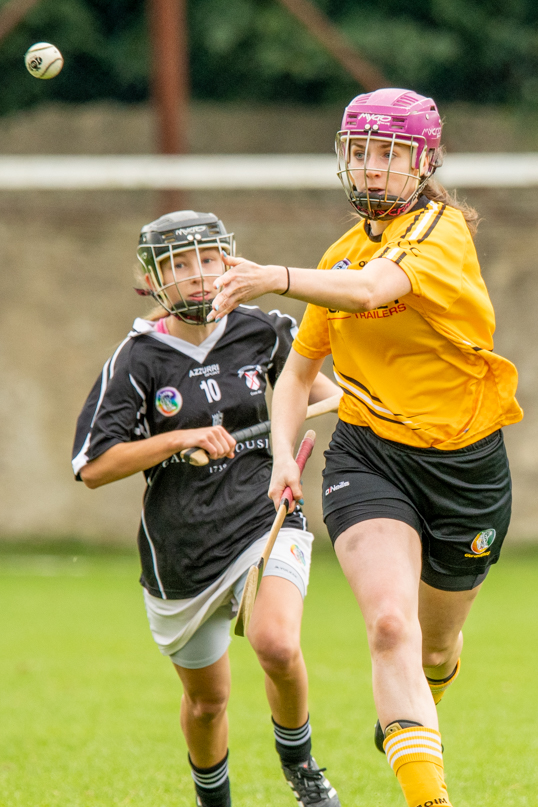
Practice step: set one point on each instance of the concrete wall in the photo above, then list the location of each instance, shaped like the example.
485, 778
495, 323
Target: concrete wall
66, 301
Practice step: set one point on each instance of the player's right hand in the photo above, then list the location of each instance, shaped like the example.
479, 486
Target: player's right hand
285, 473
214, 440
244, 281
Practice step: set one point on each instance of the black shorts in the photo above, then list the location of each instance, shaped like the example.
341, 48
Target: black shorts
458, 501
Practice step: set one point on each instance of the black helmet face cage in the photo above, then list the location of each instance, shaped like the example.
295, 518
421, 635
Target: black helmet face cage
153, 257
382, 206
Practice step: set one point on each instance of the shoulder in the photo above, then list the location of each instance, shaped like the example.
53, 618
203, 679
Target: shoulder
133, 348
342, 246
258, 319
429, 220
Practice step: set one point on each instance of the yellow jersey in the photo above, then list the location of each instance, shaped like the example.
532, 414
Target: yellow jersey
419, 370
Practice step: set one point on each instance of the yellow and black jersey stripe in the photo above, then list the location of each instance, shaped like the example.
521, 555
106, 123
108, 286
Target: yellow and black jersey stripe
429, 354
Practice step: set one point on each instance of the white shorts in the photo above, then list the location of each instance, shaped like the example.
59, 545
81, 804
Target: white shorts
195, 632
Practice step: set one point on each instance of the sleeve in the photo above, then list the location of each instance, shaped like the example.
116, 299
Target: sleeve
312, 340
432, 254
114, 412
285, 328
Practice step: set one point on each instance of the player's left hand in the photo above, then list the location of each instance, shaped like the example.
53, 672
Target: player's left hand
244, 281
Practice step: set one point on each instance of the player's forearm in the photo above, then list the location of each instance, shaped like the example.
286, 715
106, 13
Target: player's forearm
342, 291
126, 459
322, 388
287, 417
290, 400
377, 284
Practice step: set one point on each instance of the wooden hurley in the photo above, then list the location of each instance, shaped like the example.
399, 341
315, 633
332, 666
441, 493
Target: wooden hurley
255, 573
197, 456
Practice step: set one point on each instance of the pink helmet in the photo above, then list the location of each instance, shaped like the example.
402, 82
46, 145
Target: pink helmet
396, 116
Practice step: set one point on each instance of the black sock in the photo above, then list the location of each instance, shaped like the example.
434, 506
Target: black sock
212, 784
293, 745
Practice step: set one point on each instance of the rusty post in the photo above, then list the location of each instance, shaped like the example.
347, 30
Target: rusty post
170, 93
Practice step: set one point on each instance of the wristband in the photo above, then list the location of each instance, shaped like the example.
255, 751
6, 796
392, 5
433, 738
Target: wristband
289, 280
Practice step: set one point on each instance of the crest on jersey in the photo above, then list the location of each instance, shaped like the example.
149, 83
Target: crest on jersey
343, 264
168, 401
251, 374
483, 541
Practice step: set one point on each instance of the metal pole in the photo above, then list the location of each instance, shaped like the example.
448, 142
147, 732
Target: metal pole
170, 95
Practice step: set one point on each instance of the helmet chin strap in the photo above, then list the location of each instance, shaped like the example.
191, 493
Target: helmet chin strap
195, 314
381, 206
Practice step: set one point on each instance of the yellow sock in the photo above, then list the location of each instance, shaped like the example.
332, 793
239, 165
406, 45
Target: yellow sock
416, 758
438, 688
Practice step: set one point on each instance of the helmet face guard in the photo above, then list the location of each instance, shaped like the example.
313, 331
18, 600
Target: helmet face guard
395, 117
175, 233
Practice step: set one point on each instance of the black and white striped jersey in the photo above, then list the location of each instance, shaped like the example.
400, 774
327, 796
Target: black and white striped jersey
195, 520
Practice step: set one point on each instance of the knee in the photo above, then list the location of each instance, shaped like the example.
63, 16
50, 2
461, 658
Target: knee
277, 654
389, 631
206, 709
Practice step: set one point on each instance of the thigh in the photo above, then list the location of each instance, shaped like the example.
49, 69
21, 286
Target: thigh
277, 614
291, 558
442, 615
278, 610
381, 559
209, 643
208, 684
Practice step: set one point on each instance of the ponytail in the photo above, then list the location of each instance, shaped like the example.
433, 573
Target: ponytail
435, 192
156, 313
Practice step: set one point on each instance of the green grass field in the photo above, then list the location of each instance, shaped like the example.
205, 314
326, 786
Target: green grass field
89, 708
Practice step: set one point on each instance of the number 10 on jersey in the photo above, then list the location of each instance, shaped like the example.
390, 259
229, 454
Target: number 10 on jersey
211, 389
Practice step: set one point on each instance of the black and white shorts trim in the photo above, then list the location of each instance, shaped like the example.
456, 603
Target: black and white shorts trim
459, 501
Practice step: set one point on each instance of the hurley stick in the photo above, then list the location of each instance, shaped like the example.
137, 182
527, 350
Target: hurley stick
197, 456
255, 573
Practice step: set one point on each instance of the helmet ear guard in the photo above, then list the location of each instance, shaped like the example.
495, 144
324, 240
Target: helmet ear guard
177, 232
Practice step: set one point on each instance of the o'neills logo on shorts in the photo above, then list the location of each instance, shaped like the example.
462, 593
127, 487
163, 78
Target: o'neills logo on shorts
332, 488
482, 542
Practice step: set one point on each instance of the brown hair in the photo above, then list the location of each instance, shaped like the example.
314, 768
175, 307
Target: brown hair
437, 193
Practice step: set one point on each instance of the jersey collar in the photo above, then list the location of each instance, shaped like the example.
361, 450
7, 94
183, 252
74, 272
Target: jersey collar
420, 204
196, 352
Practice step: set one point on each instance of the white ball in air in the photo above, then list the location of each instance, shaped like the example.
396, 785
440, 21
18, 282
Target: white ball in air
43, 60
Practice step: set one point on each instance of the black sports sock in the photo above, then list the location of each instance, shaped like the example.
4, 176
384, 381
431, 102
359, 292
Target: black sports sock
212, 784
293, 745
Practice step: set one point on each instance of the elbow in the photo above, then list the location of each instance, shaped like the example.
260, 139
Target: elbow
90, 478
92, 483
362, 301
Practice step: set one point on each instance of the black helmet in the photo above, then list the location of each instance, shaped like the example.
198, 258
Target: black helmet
178, 232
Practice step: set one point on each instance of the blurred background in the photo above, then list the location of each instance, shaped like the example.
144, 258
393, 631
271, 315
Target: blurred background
223, 77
